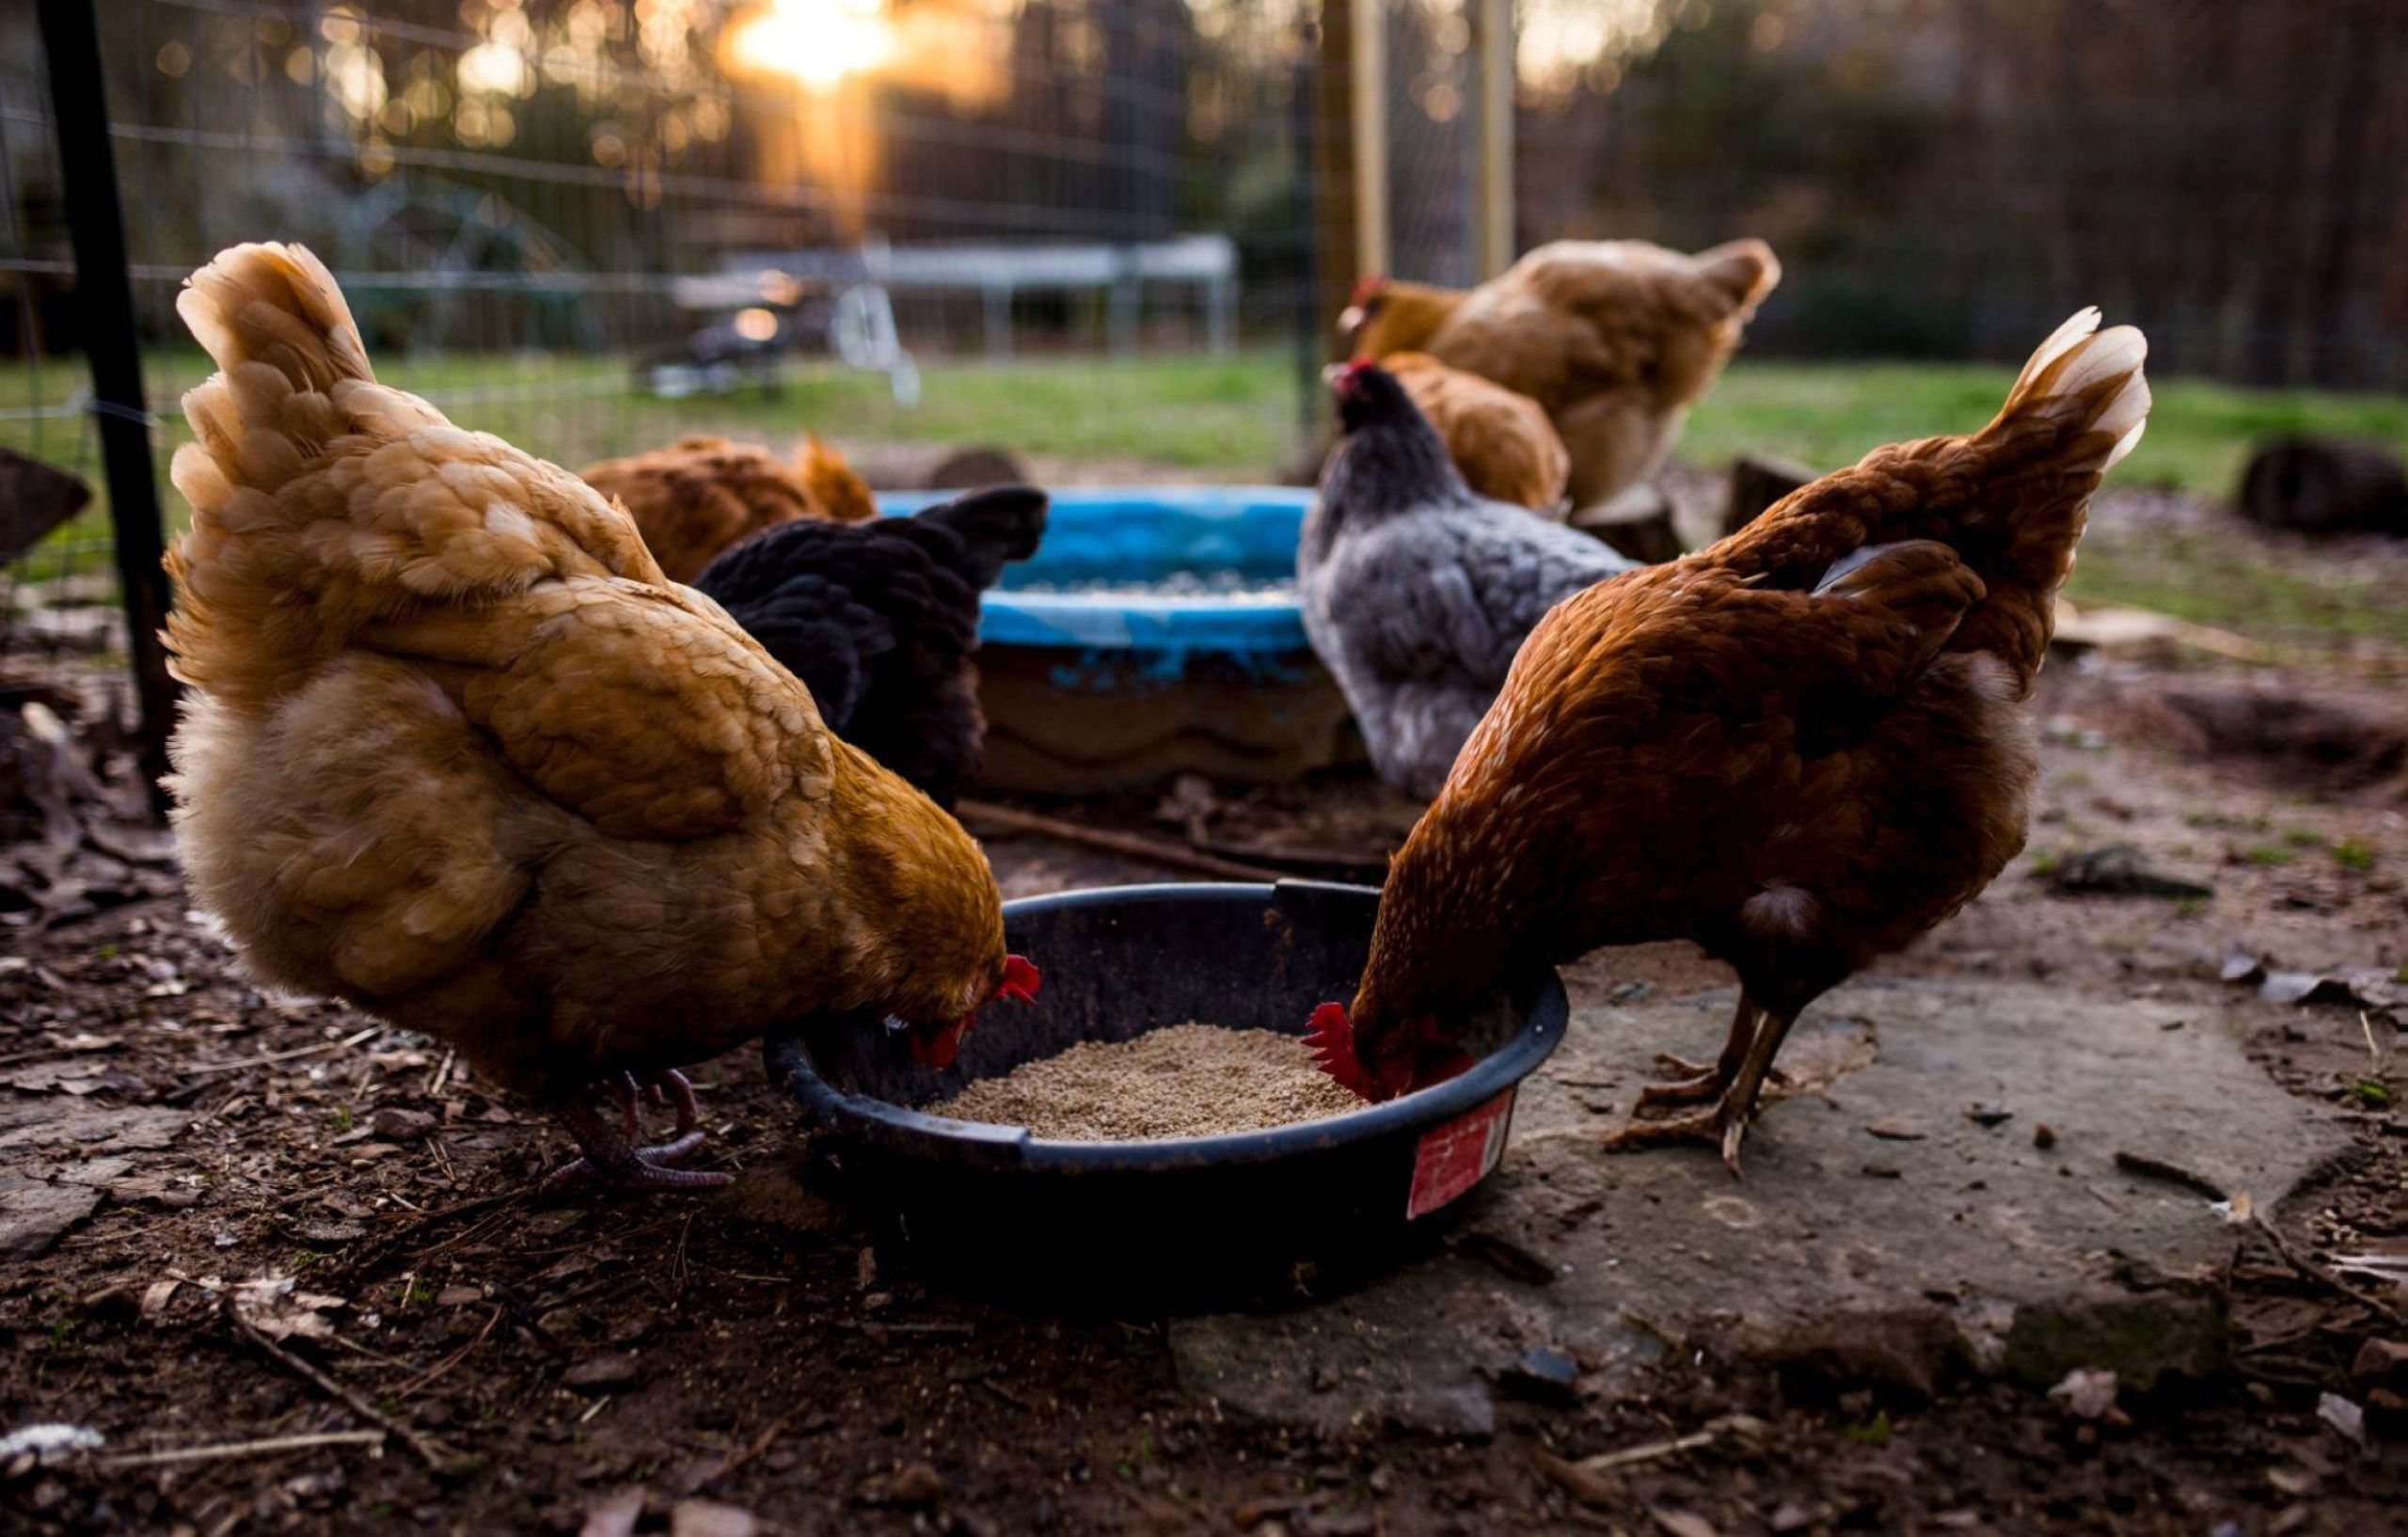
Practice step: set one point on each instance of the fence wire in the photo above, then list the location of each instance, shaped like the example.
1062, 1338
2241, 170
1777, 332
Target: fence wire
1087, 230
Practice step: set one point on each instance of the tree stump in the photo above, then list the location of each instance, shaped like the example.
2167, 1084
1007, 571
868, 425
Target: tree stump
2321, 485
1758, 481
1636, 523
975, 469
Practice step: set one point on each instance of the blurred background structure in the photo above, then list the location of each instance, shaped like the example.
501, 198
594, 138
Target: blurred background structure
1111, 235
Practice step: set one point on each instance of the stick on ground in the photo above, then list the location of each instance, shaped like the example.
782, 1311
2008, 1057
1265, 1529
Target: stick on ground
2309, 1270
436, 1456
1129, 845
224, 1450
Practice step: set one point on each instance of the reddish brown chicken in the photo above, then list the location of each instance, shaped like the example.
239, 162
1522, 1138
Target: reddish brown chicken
1801, 748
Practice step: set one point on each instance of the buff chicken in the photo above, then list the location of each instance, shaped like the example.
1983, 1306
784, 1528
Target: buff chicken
1614, 339
1502, 442
700, 497
456, 751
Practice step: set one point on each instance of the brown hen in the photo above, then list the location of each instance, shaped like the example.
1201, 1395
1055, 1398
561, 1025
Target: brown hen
701, 496
1614, 339
1799, 748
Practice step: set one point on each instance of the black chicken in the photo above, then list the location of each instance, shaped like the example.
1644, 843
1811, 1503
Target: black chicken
878, 620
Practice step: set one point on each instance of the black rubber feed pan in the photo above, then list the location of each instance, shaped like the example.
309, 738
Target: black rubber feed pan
1118, 963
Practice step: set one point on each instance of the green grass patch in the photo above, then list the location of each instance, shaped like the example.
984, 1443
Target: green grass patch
2230, 579
1237, 418
1832, 414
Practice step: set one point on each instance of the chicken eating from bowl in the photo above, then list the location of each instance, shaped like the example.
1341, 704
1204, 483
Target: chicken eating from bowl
1801, 748
456, 751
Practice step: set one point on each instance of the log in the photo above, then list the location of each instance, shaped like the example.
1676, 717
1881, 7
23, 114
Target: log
2324, 486
973, 468
1636, 523
1758, 481
932, 466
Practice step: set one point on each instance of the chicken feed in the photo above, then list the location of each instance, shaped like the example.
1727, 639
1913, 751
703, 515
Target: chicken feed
1184, 1080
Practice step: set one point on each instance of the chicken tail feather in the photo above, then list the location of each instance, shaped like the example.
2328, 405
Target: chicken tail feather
2077, 408
2087, 388
323, 501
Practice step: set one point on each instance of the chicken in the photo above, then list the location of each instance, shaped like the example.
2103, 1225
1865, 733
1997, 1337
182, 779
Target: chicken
701, 496
1417, 591
1799, 748
878, 619
455, 751
1502, 442
1614, 339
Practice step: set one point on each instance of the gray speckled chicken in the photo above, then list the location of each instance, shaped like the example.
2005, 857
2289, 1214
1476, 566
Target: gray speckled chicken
1417, 591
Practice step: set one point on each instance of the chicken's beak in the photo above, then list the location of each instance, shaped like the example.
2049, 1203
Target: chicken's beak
1349, 320
935, 1046
1404, 1061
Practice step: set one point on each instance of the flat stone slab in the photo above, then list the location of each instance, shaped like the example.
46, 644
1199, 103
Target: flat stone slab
1898, 1217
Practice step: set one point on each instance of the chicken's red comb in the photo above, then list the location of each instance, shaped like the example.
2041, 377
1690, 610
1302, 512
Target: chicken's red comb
1332, 1044
1020, 979
1368, 287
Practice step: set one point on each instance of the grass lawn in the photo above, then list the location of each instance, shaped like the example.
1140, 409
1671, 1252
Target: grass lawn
1832, 414
1238, 417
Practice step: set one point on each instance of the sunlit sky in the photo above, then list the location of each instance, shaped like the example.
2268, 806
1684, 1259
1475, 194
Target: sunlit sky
829, 52
820, 42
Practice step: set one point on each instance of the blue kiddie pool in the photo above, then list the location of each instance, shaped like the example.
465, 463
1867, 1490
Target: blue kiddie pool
1156, 632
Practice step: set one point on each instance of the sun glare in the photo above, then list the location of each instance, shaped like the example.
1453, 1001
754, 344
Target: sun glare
817, 42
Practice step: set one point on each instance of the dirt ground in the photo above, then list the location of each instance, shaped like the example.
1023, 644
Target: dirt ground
228, 1219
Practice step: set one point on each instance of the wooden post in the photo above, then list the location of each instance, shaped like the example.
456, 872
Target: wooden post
1369, 124
1493, 59
1349, 157
104, 300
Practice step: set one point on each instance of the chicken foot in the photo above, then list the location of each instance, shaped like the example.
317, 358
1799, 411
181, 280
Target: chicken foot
1697, 1082
611, 1158
1722, 1124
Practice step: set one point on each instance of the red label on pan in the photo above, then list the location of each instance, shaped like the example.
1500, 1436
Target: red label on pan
1454, 1157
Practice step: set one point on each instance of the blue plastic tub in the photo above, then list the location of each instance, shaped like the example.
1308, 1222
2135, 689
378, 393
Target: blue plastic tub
1089, 691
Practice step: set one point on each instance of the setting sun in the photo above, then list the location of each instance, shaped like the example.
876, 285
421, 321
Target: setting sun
817, 42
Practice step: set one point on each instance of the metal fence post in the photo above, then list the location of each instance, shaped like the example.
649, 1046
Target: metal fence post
105, 299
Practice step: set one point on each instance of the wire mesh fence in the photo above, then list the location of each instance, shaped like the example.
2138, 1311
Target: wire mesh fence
1091, 232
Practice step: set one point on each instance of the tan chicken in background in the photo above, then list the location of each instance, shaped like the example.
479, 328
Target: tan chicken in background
1502, 442
1614, 339
456, 751
701, 496
1801, 748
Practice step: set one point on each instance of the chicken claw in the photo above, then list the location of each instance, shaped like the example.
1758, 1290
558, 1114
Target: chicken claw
1718, 1127
1696, 1082
613, 1160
